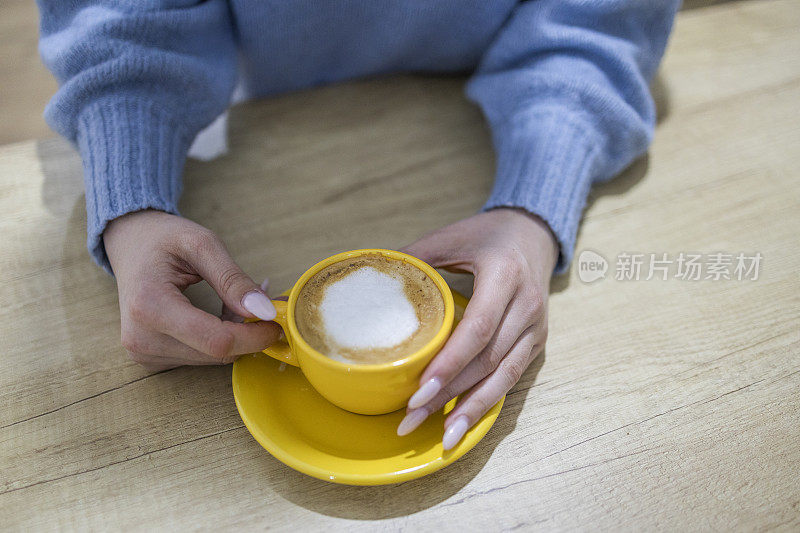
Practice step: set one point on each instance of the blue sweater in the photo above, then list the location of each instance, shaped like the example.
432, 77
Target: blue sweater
562, 83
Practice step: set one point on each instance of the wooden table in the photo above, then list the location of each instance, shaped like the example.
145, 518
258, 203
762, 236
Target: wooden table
659, 405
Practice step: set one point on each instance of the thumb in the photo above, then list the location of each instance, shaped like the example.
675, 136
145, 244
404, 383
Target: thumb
238, 292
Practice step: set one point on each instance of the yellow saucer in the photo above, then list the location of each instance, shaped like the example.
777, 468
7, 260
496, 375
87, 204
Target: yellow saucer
300, 428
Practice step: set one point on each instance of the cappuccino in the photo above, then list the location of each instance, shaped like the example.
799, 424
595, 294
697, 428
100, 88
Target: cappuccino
369, 310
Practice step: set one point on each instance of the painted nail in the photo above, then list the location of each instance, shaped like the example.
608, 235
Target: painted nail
412, 421
455, 432
257, 303
264, 285
425, 393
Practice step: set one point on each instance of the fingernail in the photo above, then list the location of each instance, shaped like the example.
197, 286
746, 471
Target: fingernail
412, 421
264, 285
257, 303
425, 393
455, 432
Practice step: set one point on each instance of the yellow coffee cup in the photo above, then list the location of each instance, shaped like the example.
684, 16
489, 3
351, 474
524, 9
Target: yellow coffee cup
368, 389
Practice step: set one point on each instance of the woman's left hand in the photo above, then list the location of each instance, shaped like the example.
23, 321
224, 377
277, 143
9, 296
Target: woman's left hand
512, 254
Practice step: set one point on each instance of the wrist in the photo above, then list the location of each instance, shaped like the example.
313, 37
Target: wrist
539, 232
131, 229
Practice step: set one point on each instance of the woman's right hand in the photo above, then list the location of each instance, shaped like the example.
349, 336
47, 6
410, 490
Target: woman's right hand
155, 256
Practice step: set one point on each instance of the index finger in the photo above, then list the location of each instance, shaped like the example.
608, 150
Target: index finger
490, 299
204, 332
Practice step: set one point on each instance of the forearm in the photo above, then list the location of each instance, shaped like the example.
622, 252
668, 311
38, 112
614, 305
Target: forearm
136, 85
565, 90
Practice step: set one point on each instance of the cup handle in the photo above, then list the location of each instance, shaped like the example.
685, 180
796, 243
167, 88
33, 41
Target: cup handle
281, 349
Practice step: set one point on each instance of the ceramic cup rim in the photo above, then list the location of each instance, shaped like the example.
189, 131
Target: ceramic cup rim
424, 351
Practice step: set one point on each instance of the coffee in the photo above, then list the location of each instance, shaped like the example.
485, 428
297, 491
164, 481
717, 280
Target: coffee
369, 309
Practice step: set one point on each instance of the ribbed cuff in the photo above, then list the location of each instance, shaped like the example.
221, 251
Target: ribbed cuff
133, 156
545, 161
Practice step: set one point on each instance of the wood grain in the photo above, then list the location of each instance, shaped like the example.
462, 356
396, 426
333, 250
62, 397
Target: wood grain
658, 405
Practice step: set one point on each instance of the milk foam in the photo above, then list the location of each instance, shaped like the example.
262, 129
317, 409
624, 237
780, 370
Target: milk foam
368, 309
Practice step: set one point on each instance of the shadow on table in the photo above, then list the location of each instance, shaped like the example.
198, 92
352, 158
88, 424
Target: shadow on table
628, 178
617, 186
389, 501
688, 5
83, 292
